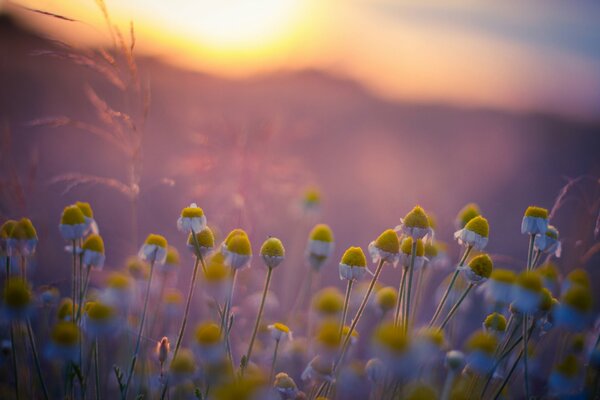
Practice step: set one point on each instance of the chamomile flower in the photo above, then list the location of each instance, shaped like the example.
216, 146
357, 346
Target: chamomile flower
328, 339
99, 319
64, 342
22, 238
5, 230
550, 275
328, 302
209, 343
118, 292
279, 331
320, 246
436, 253
499, 288
535, 221
475, 233
577, 277
216, 276
237, 249
495, 323
353, 264
285, 386
173, 301
88, 214
428, 345
72, 223
386, 298
548, 242
415, 224
272, 252
312, 198
17, 298
480, 351
318, 369
192, 219
203, 244
565, 378
467, 213
386, 247
48, 295
406, 253
137, 269
93, 251
171, 262
574, 310
479, 269
392, 346
375, 370
154, 249
182, 367
64, 311
527, 292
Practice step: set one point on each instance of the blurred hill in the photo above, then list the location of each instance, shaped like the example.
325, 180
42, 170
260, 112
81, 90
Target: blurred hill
245, 150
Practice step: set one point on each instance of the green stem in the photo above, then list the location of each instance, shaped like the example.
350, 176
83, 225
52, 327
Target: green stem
258, 317
455, 307
83, 292
450, 286
199, 259
273, 362
345, 310
140, 331
74, 280
14, 359
411, 268
448, 385
536, 259
400, 295
197, 245
530, 251
525, 355
96, 369
508, 376
36, 359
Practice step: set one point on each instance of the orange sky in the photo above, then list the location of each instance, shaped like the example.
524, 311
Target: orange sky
538, 56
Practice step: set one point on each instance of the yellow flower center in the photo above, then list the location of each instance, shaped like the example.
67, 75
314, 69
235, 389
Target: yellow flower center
496, 322
94, 243
272, 247
183, 363
482, 265
192, 212
416, 218
354, 257
321, 232
17, 295
205, 238
407, 246
536, 212
208, 333
479, 225
72, 215
156, 240
530, 280
65, 333
467, 213
240, 244
85, 208
482, 341
388, 242
391, 337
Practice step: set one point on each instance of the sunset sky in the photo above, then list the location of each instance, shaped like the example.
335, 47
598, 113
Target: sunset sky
523, 56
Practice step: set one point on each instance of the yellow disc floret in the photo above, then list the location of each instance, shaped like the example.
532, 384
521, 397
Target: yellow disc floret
536, 212
530, 280
407, 243
479, 225
354, 257
7, 228
117, 280
156, 240
94, 242
482, 341
183, 363
388, 242
208, 333
328, 301
272, 247
65, 334
85, 208
98, 311
386, 298
17, 294
216, 270
391, 338
240, 244
482, 265
416, 218
578, 297
495, 322
503, 275
72, 215
205, 238
233, 234
321, 232
192, 212
172, 256
569, 366
467, 213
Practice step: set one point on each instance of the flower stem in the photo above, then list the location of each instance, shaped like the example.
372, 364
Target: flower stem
14, 359
199, 260
530, 251
400, 295
508, 376
411, 268
525, 355
139, 336
450, 286
448, 385
96, 369
345, 310
197, 245
270, 382
74, 280
36, 359
257, 323
455, 307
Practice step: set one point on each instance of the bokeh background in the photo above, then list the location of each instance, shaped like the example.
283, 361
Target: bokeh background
380, 105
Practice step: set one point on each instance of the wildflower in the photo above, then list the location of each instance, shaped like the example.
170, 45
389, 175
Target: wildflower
475, 233
415, 224
375, 370
548, 242
455, 360
216, 275
499, 288
192, 219
183, 367
5, 230
171, 262
49, 295
535, 221
119, 291
93, 251
208, 342
467, 213
173, 299
480, 351
574, 310
162, 350
22, 238
428, 344
565, 379
528, 292
436, 253
99, 318
88, 214
386, 247
138, 269
550, 276
577, 277
353, 264
386, 298
318, 369
64, 342
495, 323
279, 330
320, 246
479, 269
312, 198
17, 298
64, 311
203, 244
285, 386
72, 223
392, 347
272, 252
154, 249
328, 338
237, 250
406, 250
328, 301
353, 336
